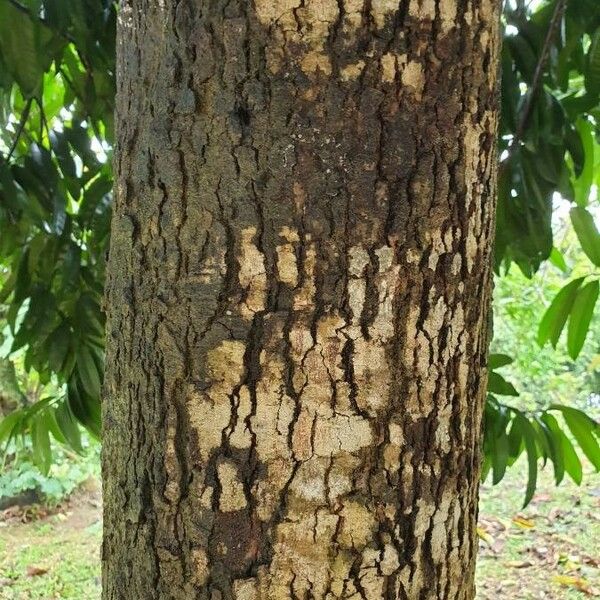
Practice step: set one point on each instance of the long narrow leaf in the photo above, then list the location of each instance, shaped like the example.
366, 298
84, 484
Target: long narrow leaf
68, 426
42, 452
572, 462
529, 436
495, 361
499, 457
586, 231
582, 427
555, 317
581, 317
554, 432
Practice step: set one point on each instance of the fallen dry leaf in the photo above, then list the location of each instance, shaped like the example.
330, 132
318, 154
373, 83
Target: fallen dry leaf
542, 498
33, 571
540, 551
523, 523
594, 562
578, 583
518, 564
485, 536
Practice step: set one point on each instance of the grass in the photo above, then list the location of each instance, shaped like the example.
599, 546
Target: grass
550, 550
55, 557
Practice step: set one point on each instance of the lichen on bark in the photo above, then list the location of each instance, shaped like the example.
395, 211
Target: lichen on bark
298, 291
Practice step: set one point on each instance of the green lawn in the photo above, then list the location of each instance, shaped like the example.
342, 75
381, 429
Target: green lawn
550, 550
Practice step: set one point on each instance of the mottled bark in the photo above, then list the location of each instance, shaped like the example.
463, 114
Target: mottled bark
298, 295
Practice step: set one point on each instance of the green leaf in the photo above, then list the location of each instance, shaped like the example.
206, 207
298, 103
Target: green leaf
586, 231
529, 437
485, 467
498, 385
61, 149
499, 457
558, 260
8, 425
23, 280
523, 55
592, 71
554, 435
582, 427
555, 317
515, 442
27, 47
88, 372
58, 342
93, 194
572, 462
544, 450
40, 437
54, 428
68, 426
581, 317
576, 149
496, 361
583, 183
84, 408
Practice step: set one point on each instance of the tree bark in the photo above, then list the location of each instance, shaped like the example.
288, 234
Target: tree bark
11, 396
298, 298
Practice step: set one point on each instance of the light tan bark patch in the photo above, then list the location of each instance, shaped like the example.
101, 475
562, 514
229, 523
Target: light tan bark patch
413, 77
201, 566
287, 267
304, 297
381, 9
245, 589
388, 67
316, 61
352, 71
269, 12
341, 434
210, 412
252, 274
357, 525
232, 496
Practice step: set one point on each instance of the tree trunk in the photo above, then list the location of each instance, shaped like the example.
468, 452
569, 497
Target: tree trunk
298, 298
11, 396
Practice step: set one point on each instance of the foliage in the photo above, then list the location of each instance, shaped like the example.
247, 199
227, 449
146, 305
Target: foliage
57, 85
545, 375
56, 97
509, 432
67, 473
550, 114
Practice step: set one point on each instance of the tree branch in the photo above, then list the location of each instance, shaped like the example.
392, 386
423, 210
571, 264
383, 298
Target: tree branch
538, 75
19, 130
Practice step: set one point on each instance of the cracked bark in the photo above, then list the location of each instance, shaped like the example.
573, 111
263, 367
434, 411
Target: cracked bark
298, 295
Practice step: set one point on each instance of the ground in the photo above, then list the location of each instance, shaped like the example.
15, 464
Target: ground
550, 550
